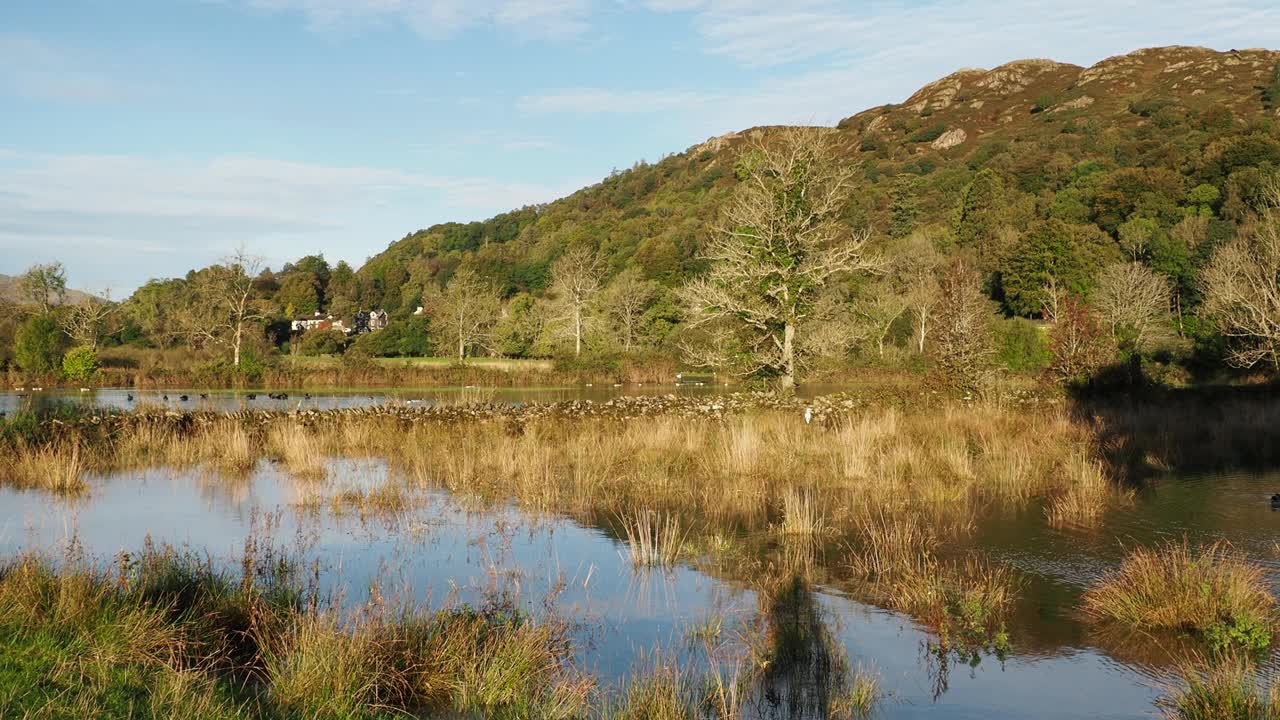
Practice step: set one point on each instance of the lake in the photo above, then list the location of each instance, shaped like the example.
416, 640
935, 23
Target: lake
452, 549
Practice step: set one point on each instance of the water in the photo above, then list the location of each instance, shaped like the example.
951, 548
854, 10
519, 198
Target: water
444, 549
231, 400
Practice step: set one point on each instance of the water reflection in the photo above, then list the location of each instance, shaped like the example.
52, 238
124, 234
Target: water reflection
800, 639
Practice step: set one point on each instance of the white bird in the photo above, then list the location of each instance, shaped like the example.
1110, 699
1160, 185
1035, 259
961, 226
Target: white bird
808, 415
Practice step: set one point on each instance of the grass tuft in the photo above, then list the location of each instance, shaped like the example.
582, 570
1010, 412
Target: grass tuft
1213, 592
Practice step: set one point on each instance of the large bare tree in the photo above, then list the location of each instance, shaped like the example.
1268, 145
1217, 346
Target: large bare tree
83, 321
1242, 287
465, 311
224, 307
1134, 303
779, 244
576, 279
44, 285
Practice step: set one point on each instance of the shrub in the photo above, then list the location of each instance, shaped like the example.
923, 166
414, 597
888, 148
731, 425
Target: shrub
1021, 345
929, 134
80, 364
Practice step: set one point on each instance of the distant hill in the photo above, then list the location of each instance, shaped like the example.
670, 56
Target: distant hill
11, 291
1053, 149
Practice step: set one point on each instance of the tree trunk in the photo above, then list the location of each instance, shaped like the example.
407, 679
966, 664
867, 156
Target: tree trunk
462, 347
788, 379
577, 332
920, 335
235, 348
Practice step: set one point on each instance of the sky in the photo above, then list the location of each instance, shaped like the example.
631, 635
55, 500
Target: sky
141, 138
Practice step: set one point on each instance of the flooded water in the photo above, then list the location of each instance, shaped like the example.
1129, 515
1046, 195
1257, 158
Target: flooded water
230, 400
443, 550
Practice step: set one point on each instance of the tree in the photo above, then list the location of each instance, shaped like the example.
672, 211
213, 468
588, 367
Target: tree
919, 260
576, 278
1078, 345
38, 345
83, 321
964, 342
159, 308
463, 314
1136, 235
80, 363
627, 299
888, 301
321, 342
1133, 302
224, 303
299, 293
902, 208
45, 285
778, 247
1242, 288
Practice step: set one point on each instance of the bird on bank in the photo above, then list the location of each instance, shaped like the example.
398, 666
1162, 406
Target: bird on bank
808, 415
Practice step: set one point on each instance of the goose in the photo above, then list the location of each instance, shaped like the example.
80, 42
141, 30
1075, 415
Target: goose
129, 397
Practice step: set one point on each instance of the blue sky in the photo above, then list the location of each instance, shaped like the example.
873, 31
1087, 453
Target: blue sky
140, 138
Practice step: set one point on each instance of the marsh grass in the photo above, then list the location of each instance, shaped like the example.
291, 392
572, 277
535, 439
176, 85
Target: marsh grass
1229, 691
800, 515
301, 451
967, 600
57, 468
653, 539
1213, 592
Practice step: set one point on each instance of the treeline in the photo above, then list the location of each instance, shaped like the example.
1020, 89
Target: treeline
1120, 221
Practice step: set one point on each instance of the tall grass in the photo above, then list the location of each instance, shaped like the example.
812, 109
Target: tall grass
1227, 692
58, 468
1213, 591
653, 539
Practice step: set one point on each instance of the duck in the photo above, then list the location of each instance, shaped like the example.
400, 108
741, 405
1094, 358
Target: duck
164, 397
183, 398
129, 397
204, 396
252, 396
1275, 501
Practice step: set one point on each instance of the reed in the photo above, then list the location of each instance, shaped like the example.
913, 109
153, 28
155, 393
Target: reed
302, 451
1215, 592
57, 468
653, 539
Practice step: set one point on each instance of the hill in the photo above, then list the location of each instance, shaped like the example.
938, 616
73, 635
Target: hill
1044, 147
11, 291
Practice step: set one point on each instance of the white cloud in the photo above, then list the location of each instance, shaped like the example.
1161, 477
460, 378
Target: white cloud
33, 68
119, 220
600, 100
546, 19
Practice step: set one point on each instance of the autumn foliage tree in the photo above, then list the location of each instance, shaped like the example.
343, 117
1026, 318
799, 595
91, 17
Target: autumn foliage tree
1079, 345
964, 344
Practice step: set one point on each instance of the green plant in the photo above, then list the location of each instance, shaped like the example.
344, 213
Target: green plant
38, 344
80, 364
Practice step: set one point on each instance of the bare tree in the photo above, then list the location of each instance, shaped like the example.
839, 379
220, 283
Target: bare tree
576, 278
918, 261
889, 301
465, 312
1133, 301
628, 298
1242, 287
45, 285
83, 321
964, 345
224, 307
779, 243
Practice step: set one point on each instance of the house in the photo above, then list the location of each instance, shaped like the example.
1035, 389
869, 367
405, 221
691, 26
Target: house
318, 321
369, 321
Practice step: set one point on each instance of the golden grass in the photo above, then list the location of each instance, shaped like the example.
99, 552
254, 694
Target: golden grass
1213, 591
761, 468
653, 539
302, 451
57, 468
